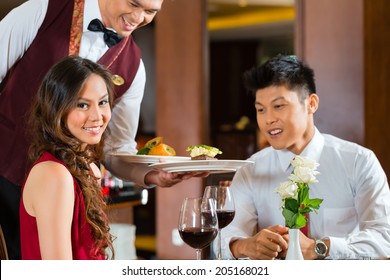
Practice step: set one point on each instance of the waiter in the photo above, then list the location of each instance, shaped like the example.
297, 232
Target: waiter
36, 35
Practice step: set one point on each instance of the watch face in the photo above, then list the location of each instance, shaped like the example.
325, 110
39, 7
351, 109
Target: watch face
320, 248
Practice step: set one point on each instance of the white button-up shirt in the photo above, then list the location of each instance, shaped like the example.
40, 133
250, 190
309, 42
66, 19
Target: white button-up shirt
355, 212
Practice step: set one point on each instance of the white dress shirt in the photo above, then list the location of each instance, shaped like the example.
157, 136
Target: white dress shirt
17, 31
355, 212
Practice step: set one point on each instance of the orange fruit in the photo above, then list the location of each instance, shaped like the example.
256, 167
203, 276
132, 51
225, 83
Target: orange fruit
162, 150
153, 142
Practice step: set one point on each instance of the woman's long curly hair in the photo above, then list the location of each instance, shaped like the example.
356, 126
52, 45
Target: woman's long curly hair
57, 96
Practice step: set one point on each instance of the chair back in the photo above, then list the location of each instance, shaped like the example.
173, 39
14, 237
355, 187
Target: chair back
3, 246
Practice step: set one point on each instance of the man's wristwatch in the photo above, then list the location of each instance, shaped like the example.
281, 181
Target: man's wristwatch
320, 249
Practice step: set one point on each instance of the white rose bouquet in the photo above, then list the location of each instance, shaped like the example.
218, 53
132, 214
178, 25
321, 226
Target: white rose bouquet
295, 192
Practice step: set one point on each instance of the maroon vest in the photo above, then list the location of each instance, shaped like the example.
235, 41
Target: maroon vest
21, 85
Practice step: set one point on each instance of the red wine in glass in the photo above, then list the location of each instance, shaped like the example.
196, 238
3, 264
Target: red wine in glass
225, 217
224, 206
198, 223
198, 238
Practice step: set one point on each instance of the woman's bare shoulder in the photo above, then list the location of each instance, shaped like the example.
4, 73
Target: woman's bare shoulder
48, 183
49, 171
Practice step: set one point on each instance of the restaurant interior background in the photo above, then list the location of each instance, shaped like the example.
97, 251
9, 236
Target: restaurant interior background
195, 53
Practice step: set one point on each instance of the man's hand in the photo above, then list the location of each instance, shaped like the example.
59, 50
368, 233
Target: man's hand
307, 247
265, 245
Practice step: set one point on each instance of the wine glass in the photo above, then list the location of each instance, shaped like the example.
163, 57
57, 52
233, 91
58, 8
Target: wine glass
198, 223
224, 205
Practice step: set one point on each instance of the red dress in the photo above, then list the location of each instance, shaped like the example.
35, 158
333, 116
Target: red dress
82, 240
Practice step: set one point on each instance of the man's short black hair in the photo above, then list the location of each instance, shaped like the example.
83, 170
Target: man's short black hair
282, 70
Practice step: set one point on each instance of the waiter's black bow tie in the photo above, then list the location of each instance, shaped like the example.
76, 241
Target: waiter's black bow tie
110, 37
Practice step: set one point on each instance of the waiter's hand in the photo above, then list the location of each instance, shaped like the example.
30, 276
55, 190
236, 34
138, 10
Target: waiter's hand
165, 179
265, 245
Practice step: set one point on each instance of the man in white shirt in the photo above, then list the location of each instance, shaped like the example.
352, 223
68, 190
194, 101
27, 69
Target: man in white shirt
36, 33
353, 221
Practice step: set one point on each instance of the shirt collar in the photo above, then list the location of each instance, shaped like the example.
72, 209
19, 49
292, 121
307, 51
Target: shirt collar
313, 150
91, 11
285, 158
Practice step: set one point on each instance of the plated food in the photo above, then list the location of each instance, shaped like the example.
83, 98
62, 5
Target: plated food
148, 159
203, 158
211, 166
203, 152
156, 147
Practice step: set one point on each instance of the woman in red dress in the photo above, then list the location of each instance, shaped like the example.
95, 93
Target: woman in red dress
61, 210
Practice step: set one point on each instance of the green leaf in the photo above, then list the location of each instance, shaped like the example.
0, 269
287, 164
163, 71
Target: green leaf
291, 204
300, 221
143, 151
305, 210
303, 193
289, 216
314, 203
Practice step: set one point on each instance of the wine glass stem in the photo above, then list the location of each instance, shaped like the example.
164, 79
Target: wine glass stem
198, 254
219, 257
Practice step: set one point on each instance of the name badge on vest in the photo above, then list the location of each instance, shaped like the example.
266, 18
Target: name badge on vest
117, 80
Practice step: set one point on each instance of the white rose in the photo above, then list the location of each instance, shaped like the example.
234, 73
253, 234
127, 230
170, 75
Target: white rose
300, 161
304, 175
287, 189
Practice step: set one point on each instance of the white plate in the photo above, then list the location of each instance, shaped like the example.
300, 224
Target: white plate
151, 159
212, 166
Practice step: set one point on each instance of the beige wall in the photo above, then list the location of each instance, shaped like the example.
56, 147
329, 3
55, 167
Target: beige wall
347, 43
330, 38
182, 106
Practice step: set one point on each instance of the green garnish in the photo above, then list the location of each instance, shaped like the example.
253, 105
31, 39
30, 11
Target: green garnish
202, 149
143, 151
